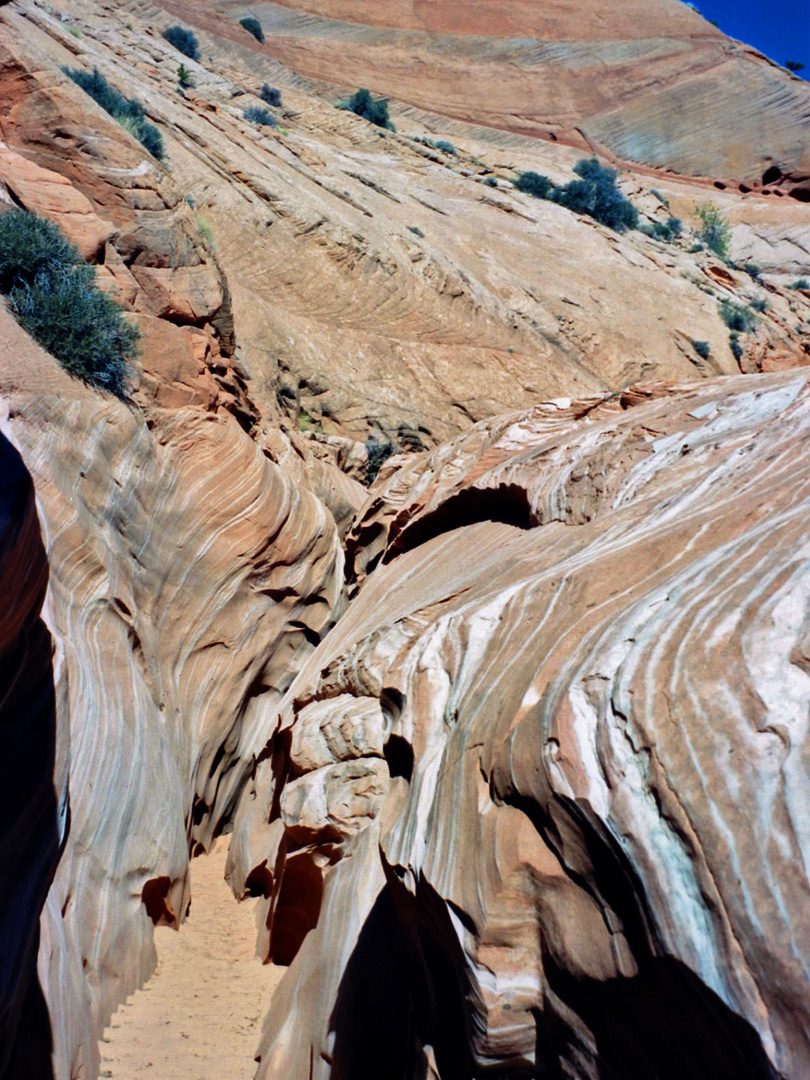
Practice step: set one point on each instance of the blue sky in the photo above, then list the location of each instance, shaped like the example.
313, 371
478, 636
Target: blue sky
779, 28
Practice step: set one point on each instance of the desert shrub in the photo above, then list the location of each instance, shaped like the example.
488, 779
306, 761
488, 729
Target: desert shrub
127, 111
801, 283
32, 247
270, 95
674, 227
752, 270
663, 230
661, 198
490, 181
185, 78
736, 348
183, 40
715, 231
375, 110
596, 194
53, 293
150, 138
307, 422
378, 453
206, 232
532, 183
439, 144
737, 317
253, 26
257, 115
702, 348
759, 305
416, 231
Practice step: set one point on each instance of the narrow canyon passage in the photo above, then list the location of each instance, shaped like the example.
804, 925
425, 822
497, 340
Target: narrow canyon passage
200, 1015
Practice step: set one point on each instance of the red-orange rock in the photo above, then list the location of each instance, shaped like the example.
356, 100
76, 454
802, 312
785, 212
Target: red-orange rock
51, 195
647, 82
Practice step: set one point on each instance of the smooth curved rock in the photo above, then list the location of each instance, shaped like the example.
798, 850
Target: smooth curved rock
584, 627
189, 579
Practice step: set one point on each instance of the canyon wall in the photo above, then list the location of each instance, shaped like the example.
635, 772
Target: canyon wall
509, 746
544, 789
189, 576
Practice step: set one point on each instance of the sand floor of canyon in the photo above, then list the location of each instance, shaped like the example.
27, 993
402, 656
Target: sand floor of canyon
199, 1017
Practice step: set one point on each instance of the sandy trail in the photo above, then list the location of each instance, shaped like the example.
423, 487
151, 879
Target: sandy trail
200, 1015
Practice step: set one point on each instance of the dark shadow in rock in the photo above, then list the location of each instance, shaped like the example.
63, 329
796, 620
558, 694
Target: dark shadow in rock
662, 1024
507, 503
30, 843
401, 993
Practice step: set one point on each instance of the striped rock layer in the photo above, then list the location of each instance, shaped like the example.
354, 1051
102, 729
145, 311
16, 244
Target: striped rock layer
538, 805
189, 577
646, 81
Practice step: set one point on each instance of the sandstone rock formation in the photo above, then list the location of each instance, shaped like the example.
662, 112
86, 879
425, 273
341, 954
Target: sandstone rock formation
648, 82
543, 797
345, 319
498, 817
189, 578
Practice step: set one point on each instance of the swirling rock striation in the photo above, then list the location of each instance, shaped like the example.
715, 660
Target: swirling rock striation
539, 802
190, 576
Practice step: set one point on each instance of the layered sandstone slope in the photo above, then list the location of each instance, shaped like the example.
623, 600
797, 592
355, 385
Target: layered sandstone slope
189, 578
647, 82
360, 305
544, 788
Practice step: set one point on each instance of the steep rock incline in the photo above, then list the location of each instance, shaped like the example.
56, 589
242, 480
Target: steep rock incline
33, 776
190, 576
540, 799
126, 215
651, 83
360, 306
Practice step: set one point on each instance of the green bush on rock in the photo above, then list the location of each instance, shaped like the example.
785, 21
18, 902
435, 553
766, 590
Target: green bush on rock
53, 293
183, 40
375, 110
594, 193
253, 26
127, 111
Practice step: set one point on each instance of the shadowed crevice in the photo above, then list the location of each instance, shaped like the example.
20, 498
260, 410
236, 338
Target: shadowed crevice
30, 842
507, 504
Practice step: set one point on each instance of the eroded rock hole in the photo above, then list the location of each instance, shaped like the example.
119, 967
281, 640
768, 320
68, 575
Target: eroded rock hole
398, 752
507, 504
259, 881
153, 897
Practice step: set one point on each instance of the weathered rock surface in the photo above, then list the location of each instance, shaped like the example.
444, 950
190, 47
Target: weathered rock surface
651, 83
568, 833
348, 321
189, 578
490, 806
